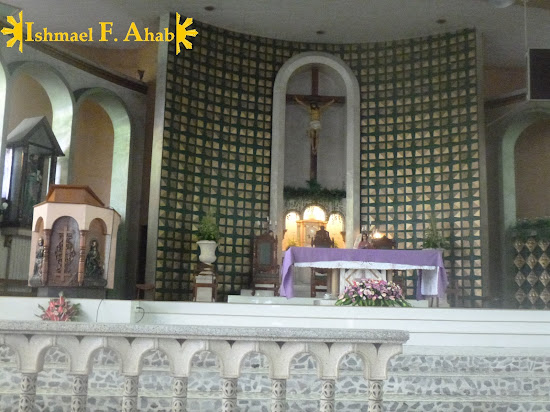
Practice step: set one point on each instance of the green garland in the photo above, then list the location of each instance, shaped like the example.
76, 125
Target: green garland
525, 228
314, 193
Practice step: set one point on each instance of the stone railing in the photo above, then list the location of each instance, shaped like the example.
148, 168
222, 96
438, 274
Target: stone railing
31, 340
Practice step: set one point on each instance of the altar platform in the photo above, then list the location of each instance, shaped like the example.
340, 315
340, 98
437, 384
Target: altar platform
454, 359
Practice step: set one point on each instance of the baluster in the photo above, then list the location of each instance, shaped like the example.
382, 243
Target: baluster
327, 395
80, 393
376, 393
229, 395
27, 395
278, 395
179, 394
129, 398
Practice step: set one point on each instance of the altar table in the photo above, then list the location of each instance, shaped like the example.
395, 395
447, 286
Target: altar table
432, 279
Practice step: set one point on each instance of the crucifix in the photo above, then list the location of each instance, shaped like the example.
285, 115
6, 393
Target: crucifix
64, 254
314, 104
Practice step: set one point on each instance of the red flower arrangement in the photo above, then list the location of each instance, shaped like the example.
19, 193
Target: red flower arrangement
60, 310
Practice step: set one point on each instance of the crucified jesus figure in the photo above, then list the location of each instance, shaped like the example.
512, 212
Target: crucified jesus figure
314, 111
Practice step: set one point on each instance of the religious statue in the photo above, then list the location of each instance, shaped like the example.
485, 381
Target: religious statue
314, 111
322, 239
33, 187
93, 272
365, 242
37, 275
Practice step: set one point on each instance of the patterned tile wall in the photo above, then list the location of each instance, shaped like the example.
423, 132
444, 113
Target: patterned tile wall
419, 147
531, 289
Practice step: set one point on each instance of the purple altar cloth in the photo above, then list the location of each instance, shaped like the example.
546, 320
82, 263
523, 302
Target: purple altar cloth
293, 255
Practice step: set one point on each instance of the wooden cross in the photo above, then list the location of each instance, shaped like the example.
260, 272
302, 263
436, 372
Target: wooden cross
65, 241
320, 100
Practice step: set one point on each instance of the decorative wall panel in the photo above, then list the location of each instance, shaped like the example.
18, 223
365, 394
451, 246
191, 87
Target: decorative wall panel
419, 148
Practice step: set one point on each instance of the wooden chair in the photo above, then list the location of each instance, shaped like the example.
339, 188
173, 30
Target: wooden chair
319, 277
265, 270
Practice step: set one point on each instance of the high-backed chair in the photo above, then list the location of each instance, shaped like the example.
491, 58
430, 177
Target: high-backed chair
265, 270
319, 277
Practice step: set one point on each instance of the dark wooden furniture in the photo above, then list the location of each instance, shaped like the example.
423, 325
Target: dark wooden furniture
265, 270
319, 277
395, 276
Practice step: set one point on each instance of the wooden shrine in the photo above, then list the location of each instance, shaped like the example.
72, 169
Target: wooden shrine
73, 240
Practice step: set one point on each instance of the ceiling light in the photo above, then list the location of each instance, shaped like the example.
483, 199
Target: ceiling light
500, 4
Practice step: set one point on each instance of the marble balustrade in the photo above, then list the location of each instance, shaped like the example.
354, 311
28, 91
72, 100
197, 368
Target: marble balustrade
30, 340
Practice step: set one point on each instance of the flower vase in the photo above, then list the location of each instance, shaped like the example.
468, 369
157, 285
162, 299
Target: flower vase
208, 251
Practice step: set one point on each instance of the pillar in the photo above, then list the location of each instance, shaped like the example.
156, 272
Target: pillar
80, 393
179, 394
129, 397
376, 393
327, 395
229, 395
27, 395
278, 395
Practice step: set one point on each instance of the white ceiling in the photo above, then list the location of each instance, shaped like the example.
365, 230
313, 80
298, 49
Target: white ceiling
343, 21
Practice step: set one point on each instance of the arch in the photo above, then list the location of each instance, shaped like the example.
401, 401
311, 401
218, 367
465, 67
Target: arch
352, 138
120, 118
62, 102
98, 224
39, 225
513, 130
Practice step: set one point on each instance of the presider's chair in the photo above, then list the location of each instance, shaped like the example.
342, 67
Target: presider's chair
319, 277
265, 270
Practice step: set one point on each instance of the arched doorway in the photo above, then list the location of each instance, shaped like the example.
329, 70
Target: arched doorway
350, 136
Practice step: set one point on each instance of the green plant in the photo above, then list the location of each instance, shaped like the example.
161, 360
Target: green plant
313, 193
208, 227
433, 239
525, 228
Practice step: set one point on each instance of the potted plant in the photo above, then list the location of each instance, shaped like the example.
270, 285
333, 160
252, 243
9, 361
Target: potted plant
433, 239
207, 236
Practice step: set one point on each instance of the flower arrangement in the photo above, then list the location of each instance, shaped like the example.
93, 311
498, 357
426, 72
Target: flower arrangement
372, 292
208, 228
60, 310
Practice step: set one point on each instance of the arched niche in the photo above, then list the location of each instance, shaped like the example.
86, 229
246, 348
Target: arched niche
532, 177
351, 137
62, 105
92, 149
118, 114
515, 126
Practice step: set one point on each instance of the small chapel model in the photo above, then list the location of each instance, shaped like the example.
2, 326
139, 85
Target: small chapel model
73, 240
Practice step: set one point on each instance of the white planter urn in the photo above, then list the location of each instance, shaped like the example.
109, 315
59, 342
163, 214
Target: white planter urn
208, 251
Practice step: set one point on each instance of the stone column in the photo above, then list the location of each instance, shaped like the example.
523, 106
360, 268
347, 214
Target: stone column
179, 394
129, 397
327, 395
27, 395
80, 393
376, 392
278, 395
229, 395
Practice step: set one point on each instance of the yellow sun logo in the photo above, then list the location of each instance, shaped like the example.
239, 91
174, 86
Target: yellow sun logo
17, 31
182, 33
